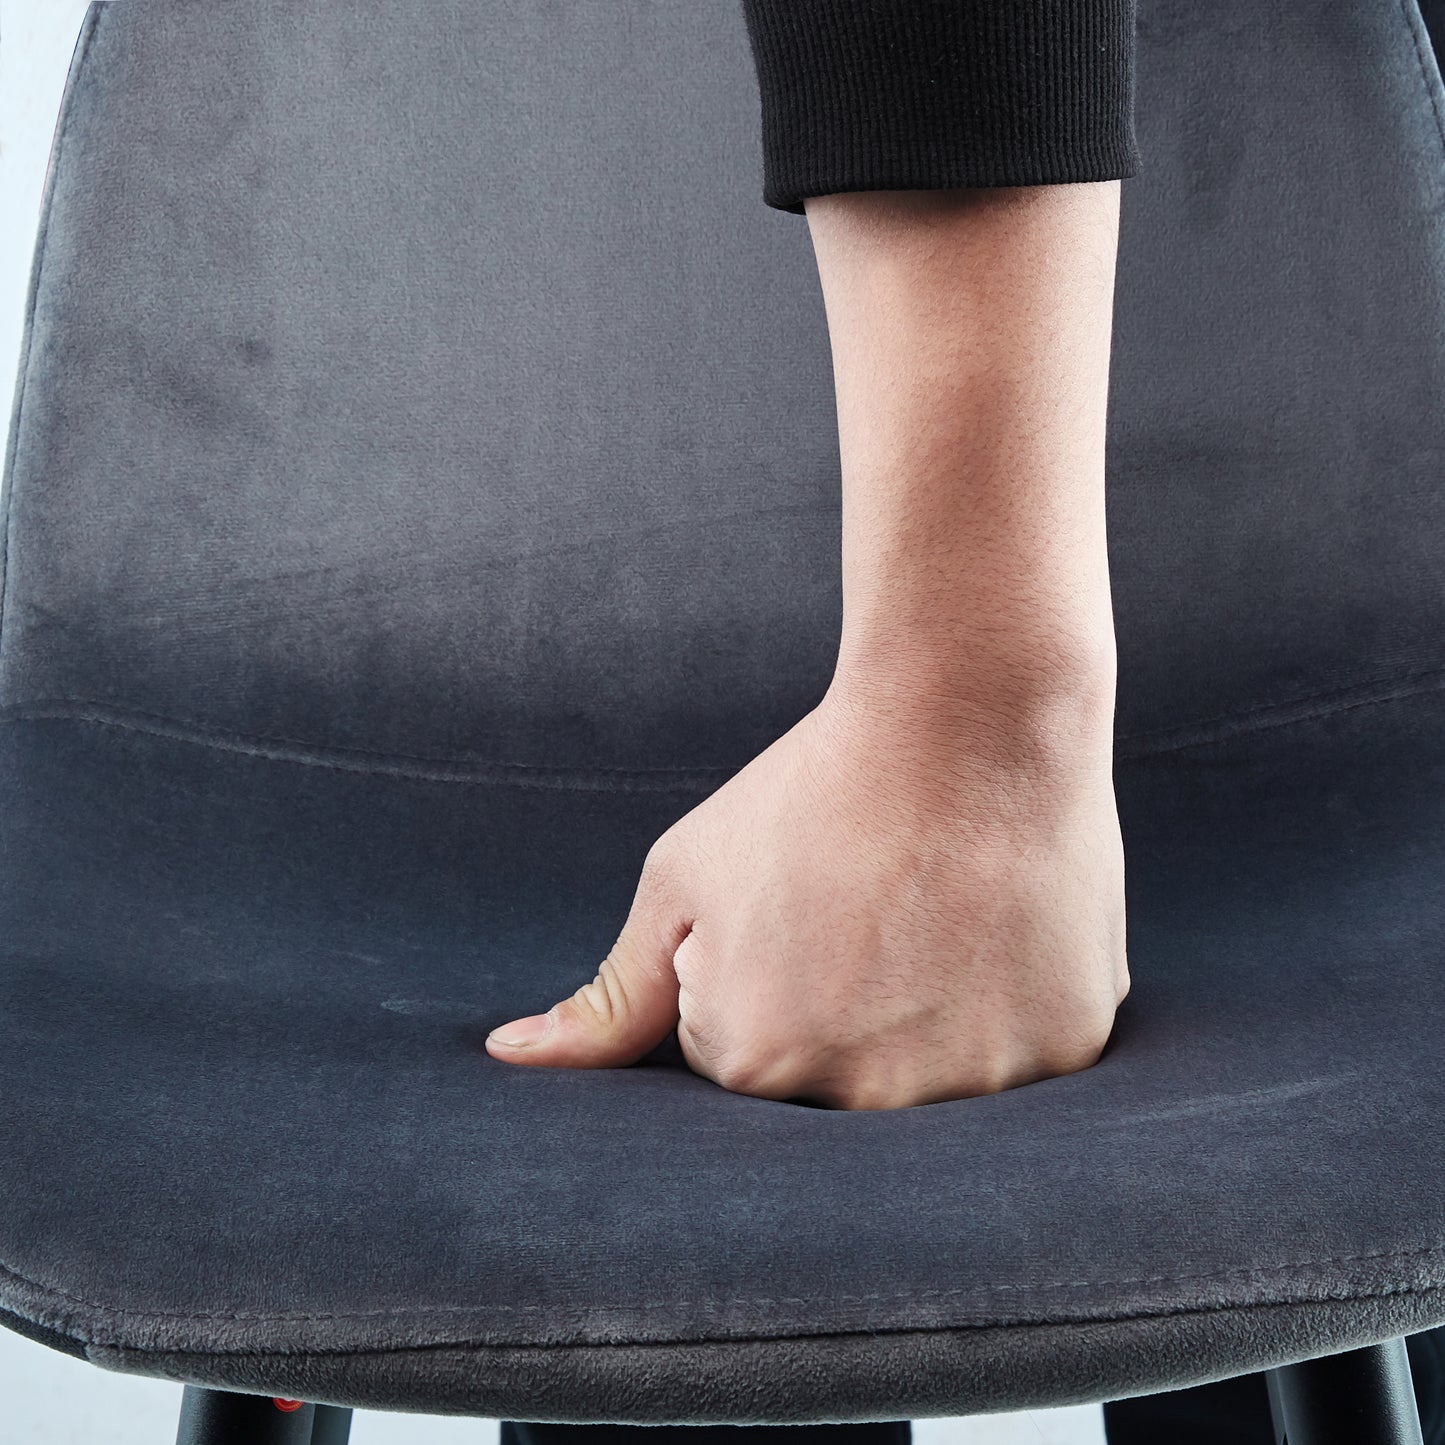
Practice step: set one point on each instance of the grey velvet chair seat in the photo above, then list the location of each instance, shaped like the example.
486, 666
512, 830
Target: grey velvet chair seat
422, 490
252, 1137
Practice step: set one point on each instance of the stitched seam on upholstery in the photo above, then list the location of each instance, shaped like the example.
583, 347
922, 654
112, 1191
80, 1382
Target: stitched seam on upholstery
575, 779
1405, 685
21, 711
309, 1352
1246, 1270
1426, 682
62, 129
1410, 25
1069, 1323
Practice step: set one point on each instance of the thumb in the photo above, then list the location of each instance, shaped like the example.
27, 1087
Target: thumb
626, 1011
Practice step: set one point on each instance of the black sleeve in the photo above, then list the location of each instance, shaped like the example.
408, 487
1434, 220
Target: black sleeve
877, 95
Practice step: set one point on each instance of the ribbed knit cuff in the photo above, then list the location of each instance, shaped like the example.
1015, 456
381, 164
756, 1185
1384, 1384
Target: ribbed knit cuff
863, 95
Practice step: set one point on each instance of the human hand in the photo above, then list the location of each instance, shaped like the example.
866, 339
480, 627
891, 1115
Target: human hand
886, 907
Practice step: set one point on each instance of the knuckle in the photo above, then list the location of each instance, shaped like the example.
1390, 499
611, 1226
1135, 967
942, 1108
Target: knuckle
877, 1093
857, 1091
604, 997
1081, 1052
735, 1074
655, 865
861, 1099
754, 1074
663, 862
992, 1076
689, 1043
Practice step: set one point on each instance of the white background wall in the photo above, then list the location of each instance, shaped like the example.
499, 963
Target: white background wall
49, 1398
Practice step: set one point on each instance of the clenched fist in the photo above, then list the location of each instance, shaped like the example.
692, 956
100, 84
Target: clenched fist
888, 906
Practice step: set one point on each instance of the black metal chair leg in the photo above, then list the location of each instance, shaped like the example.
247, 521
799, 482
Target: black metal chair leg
223, 1417
1359, 1397
332, 1426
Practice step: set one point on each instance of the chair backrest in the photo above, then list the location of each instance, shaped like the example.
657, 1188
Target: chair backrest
431, 385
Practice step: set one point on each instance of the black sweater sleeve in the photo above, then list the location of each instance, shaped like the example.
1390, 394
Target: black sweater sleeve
876, 95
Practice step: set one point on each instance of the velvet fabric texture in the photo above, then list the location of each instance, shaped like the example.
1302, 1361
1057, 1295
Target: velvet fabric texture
422, 490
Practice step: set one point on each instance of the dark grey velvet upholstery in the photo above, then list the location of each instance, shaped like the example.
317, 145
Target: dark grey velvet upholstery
422, 490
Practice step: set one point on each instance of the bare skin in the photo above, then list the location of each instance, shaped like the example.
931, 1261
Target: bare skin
916, 894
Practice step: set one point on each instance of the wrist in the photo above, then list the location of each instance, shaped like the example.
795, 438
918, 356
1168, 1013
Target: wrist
1039, 703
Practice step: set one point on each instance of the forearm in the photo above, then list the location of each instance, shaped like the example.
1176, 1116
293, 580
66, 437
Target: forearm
970, 332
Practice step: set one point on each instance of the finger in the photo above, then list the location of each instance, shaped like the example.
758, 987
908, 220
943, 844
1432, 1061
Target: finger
627, 1009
